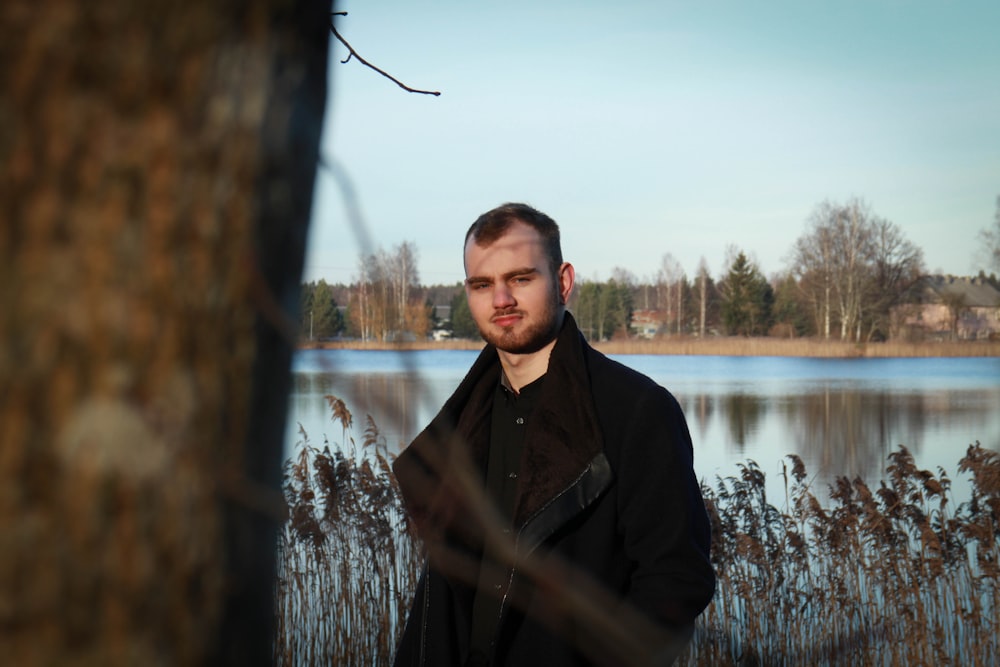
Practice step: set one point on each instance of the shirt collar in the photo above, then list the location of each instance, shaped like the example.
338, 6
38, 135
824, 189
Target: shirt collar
529, 390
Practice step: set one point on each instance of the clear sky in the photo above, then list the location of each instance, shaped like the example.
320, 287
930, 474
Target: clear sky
660, 126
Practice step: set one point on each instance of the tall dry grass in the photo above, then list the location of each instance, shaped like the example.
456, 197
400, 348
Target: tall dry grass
739, 346
895, 574
347, 564
725, 346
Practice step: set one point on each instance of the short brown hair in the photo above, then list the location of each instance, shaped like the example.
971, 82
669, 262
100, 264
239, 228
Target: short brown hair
493, 224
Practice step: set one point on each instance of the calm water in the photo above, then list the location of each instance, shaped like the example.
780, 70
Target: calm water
842, 416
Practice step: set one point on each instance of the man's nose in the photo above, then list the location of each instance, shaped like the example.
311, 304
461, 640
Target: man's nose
502, 298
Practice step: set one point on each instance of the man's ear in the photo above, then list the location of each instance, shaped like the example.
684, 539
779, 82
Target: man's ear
566, 277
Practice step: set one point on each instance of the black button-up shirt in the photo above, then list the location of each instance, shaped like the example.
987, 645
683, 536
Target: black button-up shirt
511, 413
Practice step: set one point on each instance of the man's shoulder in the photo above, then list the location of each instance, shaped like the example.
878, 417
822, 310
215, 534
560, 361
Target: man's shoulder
612, 375
629, 401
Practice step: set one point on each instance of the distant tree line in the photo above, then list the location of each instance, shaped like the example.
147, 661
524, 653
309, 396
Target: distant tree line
844, 276
386, 303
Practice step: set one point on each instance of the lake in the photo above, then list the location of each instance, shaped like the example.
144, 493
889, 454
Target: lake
841, 416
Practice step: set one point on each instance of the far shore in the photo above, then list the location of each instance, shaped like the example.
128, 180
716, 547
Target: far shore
722, 346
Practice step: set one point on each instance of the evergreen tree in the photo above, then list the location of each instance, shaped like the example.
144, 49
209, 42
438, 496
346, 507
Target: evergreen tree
585, 307
320, 317
326, 318
462, 324
747, 299
790, 313
305, 307
602, 309
619, 307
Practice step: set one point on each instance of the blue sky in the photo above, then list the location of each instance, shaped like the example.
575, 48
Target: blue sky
654, 127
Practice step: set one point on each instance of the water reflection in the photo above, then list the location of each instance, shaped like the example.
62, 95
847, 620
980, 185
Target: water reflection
848, 432
841, 431
390, 399
840, 426
699, 411
743, 413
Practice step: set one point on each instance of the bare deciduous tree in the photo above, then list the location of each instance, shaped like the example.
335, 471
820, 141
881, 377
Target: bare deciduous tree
668, 285
383, 305
897, 266
853, 267
813, 265
702, 280
989, 238
851, 227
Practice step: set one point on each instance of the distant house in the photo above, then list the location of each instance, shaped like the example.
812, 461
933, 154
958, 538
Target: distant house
950, 307
441, 316
646, 323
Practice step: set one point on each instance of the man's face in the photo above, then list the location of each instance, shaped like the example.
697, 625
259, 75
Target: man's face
515, 300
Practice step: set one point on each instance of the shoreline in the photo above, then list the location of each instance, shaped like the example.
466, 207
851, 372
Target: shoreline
722, 346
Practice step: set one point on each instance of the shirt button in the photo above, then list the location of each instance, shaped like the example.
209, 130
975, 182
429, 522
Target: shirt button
512, 475
497, 586
519, 420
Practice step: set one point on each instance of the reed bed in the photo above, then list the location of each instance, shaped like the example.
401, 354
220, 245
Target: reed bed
347, 565
890, 576
894, 574
725, 346
738, 346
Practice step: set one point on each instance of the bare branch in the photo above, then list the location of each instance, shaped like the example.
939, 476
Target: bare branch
355, 54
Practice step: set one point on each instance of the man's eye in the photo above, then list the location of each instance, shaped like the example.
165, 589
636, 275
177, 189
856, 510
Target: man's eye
520, 280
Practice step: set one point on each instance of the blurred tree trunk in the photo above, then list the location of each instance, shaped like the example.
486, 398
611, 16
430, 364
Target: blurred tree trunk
156, 171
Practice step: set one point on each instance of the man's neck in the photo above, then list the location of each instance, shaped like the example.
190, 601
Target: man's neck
523, 369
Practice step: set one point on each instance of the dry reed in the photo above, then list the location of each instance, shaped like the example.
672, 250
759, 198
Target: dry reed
891, 575
347, 565
894, 576
726, 346
737, 346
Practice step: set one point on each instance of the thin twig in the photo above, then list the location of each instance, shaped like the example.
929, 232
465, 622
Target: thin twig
355, 54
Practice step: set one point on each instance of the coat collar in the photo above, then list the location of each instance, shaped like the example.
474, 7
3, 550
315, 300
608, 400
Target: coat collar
441, 472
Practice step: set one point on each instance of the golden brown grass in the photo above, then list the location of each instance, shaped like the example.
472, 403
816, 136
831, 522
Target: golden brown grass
347, 565
894, 574
799, 347
726, 346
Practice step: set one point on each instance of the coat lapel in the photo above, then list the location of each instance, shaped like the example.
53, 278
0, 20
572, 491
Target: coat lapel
564, 435
563, 443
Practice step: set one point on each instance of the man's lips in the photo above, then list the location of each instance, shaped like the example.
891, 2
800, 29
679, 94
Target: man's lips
506, 320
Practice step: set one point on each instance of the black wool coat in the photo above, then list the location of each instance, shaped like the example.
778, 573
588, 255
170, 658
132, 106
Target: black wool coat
609, 558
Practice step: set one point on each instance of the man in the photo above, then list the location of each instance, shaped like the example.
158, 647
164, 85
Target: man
554, 492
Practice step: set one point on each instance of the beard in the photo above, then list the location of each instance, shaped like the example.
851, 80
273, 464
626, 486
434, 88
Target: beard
537, 333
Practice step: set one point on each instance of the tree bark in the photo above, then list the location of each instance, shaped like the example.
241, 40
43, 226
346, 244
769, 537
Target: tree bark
157, 161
